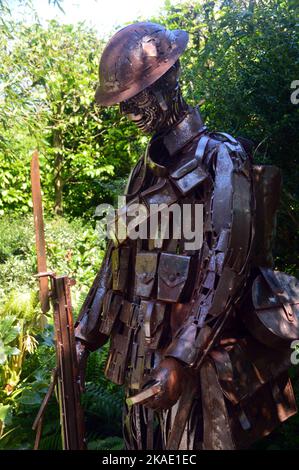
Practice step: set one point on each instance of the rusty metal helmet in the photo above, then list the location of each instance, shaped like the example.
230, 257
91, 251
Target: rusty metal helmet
134, 58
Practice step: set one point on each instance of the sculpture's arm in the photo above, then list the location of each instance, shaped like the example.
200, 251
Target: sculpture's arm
89, 319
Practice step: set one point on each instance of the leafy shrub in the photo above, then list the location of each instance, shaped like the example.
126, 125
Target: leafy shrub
241, 59
27, 354
102, 403
19, 322
73, 248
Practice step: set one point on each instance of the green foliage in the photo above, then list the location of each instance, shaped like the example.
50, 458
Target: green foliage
110, 443
17, 258
73, 248
48, 80
15, 238
104, 408
103, 402
102, 405
95, 369
241, 60
19, 318
33, 385
27, 355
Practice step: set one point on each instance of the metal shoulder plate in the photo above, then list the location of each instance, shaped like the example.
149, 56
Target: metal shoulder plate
136, 178
230, 142
190, 172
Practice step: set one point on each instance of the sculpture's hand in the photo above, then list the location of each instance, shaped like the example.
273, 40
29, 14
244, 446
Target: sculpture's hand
170, 377
82, 356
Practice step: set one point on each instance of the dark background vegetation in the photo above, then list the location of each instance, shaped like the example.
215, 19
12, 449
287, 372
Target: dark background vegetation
241, 60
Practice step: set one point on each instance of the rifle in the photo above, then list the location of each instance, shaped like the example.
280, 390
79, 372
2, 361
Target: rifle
66, 375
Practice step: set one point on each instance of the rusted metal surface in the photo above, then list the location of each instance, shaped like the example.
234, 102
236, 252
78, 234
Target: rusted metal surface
89, 319
149, 392
66, 376
174, 314
39, 231
217, 432
267, 188
68, 387
38, 422
136, 57
272, 310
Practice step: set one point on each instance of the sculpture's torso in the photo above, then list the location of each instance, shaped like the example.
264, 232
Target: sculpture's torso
164, 298
163, 294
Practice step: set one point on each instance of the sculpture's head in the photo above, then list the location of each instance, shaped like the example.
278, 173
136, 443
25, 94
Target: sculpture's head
139, 69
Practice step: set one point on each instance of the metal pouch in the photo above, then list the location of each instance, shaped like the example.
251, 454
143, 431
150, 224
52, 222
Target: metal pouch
118, 354
271, 405
120, 262
257, 388
129, 313
145, 268
111, 307
272, 312
188, 176
152, 314
121, 340
173, 273
246, 366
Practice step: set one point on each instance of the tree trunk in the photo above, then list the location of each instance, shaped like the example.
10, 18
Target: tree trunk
58, 180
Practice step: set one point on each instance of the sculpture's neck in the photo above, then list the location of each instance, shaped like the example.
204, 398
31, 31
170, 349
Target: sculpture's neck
175, 108
183, 131
164, 147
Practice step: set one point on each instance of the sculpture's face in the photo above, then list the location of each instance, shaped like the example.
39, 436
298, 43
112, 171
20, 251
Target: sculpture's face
155, 108
144, 110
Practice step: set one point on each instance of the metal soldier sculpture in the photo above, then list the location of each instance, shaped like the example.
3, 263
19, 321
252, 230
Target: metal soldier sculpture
200, 337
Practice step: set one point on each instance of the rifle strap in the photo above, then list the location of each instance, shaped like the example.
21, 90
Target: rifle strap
38, 422
38, 433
